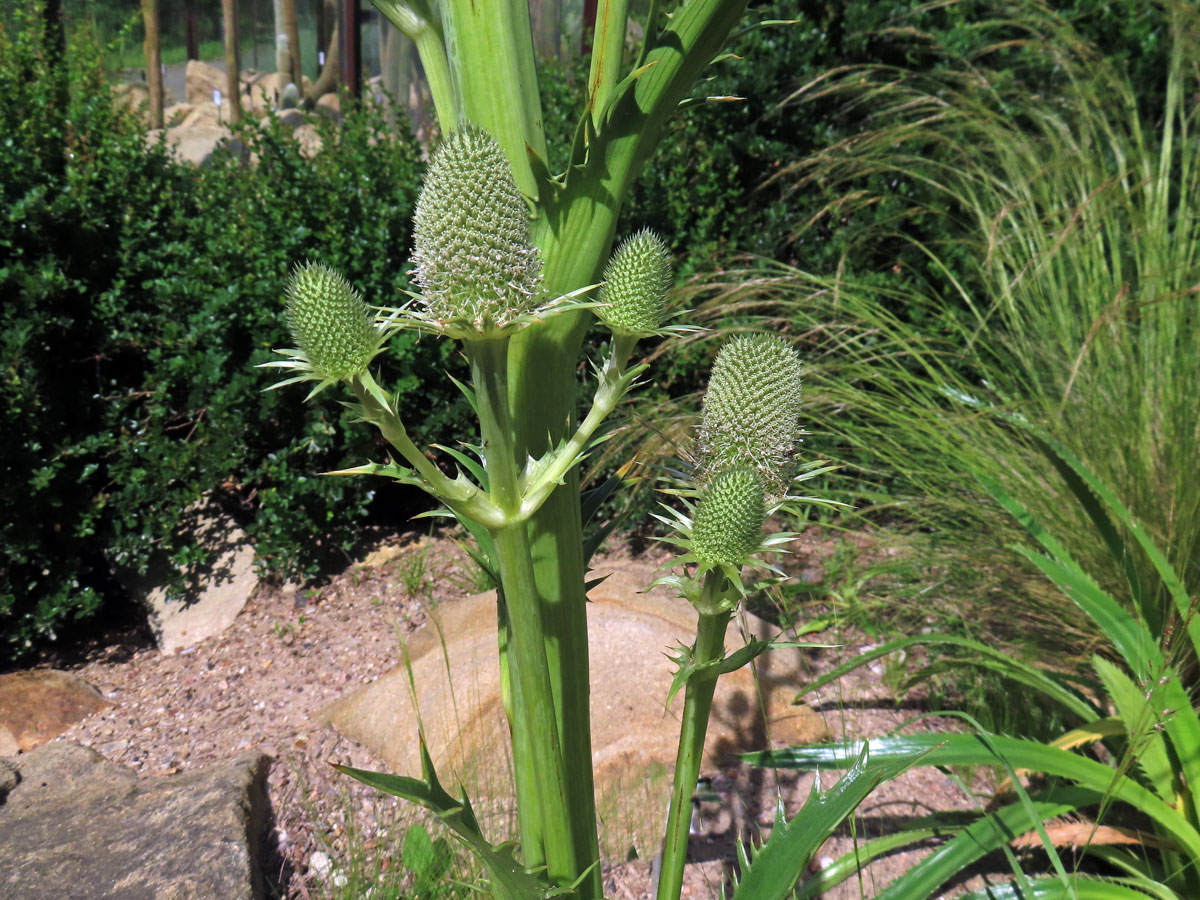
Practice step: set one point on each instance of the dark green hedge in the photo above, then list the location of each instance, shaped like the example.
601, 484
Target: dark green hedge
136, 296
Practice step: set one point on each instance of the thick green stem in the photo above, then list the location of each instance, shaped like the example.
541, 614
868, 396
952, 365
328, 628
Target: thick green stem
490, 49
614, 383
535, 729
697, 703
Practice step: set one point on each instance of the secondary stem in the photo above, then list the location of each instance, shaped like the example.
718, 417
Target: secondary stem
697, 704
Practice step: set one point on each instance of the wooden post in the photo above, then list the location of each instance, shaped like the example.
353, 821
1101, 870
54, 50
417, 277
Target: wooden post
153, 62
189, 27
395, 68
589, 27
233, 87
318, 9
283, 55
350, 58
327, 81
254, 34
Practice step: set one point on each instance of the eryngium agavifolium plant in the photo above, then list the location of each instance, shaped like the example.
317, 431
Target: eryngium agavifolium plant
507, 259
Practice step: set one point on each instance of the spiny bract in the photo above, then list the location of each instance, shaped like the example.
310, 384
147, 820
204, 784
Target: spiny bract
636, 281
751, 413
728, 523
475, 262
329, 322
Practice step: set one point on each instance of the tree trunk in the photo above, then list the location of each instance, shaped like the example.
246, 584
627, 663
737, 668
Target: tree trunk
329, 73
283, 52
233, 87
323, 26
587, 32
292, 29
154, 73
395, 68
254, 33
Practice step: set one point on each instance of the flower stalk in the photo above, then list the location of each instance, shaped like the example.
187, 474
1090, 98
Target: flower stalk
697, 705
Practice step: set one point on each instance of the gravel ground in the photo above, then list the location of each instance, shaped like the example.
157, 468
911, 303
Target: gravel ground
290, 653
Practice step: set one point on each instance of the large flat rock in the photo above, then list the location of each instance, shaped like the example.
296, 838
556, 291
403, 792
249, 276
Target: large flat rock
634, 736
38, 705
77, 827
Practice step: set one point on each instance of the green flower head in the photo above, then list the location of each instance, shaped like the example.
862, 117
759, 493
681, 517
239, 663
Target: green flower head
728, 523
751, 411
476, 266
329, 322
331, 327
636, 281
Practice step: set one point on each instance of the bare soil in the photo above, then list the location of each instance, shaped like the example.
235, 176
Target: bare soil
291, 652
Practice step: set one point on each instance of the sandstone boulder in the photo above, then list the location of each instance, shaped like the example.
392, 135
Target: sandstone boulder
634, 735
217, 591
207, 114
77, 826
201, 80
262, 92
194, 144
330, 105
292, 118
309, 139
176, 113
40, 704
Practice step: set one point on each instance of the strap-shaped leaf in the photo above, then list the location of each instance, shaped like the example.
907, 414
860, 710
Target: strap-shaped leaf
974, 750
848, 864
1081, 887
774, 868
991, 832
984, 655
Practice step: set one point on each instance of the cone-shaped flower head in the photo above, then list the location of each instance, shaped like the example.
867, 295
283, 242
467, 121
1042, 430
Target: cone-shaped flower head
636, 281
329, 322
476, 266
751, 411
728, 523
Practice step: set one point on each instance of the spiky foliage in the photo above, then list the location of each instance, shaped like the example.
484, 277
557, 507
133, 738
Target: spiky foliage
636, 281
728, 523
751, 413
476, 266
